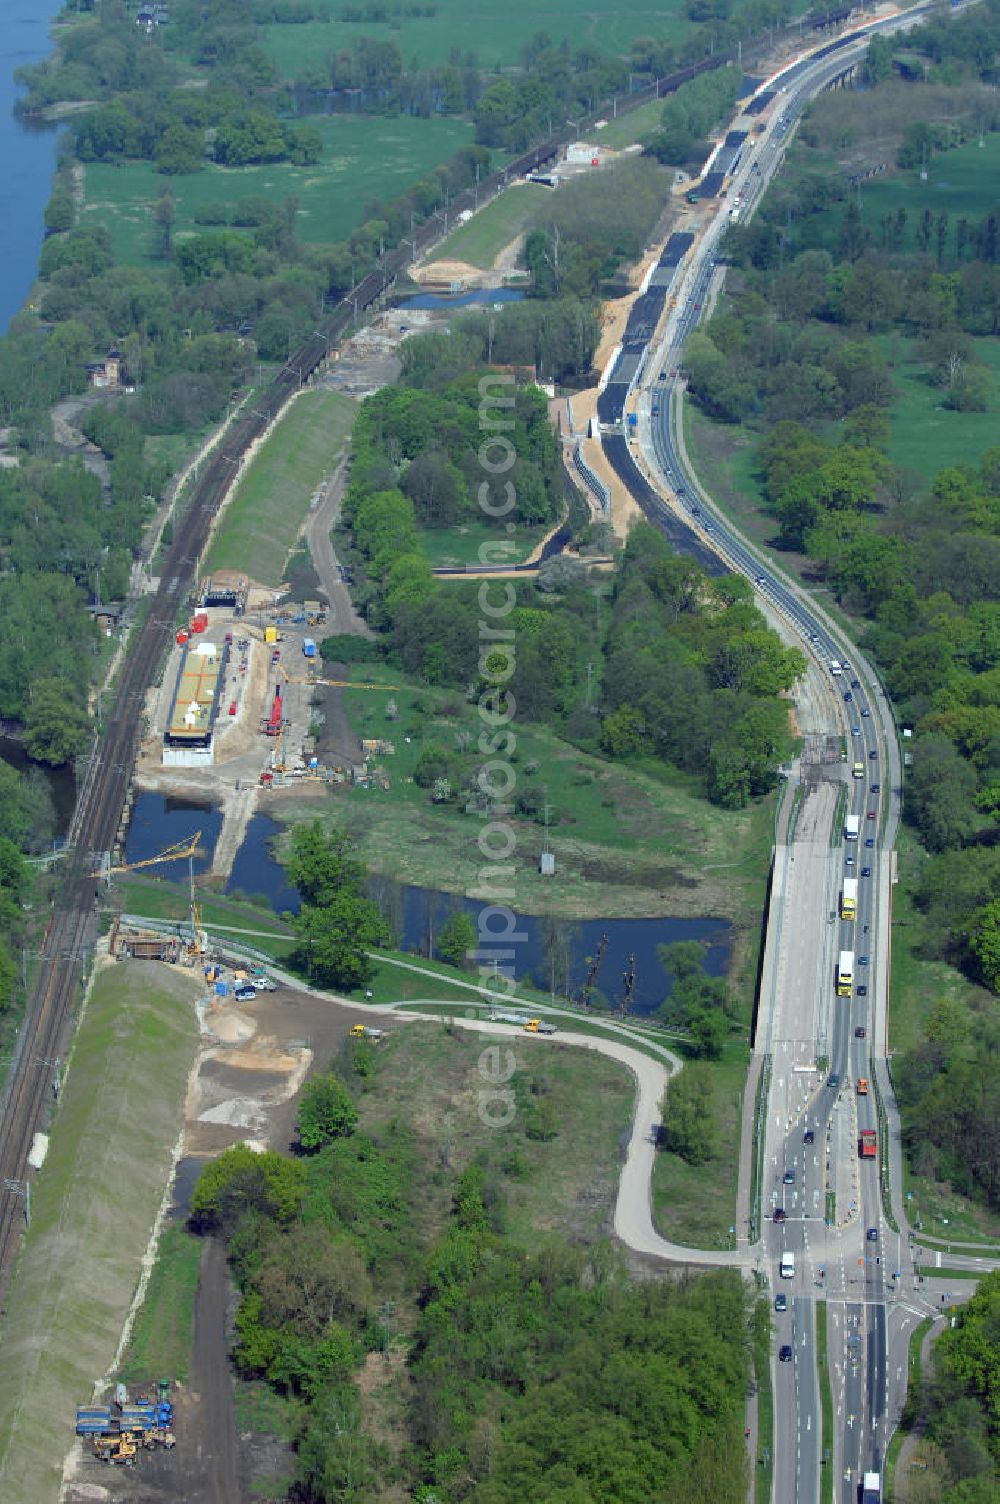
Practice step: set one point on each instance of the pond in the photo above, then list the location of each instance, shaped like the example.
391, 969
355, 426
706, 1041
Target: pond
61, 782
552, 953
488, 295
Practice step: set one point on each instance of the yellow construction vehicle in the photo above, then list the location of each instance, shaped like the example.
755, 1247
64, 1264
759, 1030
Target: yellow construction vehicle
362, 1031
120, 1449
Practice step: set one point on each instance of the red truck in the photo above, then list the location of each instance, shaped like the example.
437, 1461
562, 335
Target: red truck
868, 1144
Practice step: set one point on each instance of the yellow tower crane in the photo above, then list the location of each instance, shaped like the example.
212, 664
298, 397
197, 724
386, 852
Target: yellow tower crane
180, 851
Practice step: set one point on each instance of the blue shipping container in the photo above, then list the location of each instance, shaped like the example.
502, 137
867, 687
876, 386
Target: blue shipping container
308, 647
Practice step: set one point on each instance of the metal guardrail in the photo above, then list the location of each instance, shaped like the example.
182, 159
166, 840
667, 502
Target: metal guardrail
592, 482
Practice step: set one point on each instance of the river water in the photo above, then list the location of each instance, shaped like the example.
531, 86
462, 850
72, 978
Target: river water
158, 822
27, 153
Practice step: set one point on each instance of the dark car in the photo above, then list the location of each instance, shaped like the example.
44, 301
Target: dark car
779, 1214
873, 1234
861, 991
788, 1178
876, 787
862, 960
873, 753
784, 1353
245, 994
809, 1137
781, 1301
866, 713
866, 872
870, 842
834, 1081
662, 376
848, 697
656, 409
859, 1032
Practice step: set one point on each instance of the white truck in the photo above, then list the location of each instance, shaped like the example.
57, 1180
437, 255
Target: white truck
787, 1269
852, 827
836, 667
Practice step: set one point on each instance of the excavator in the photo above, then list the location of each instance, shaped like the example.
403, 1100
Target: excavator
118, 1449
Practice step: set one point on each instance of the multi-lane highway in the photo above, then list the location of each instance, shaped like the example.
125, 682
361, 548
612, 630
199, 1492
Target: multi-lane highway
820, 1201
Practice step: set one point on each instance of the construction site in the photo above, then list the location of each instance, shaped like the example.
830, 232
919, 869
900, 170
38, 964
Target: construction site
247, 711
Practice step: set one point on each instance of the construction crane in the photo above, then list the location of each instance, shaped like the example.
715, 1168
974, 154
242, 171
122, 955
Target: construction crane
628, 977
180, 851
592, 972
333, 683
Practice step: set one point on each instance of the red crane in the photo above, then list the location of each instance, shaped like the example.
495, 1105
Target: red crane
275, 719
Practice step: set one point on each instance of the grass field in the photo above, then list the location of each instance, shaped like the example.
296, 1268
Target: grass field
362, 159
631, 126
433, 1077
262, 521
825, 1397
493, 30
925, 436
481, 239
93, 1207
161, 1340
446, 548
959, 182
696, 1204
630, 841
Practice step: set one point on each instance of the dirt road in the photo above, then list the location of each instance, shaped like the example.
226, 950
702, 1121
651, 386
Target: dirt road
317, 536
212, 1466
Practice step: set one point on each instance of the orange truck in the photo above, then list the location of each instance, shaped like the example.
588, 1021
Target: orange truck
862, 1086
868, 1144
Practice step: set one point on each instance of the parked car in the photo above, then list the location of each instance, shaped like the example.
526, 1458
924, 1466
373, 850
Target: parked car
245, 994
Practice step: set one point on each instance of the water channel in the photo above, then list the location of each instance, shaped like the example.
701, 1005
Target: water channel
27, 152
158, 822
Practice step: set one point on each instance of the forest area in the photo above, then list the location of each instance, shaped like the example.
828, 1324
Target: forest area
691, 677
806, 358
518, 1365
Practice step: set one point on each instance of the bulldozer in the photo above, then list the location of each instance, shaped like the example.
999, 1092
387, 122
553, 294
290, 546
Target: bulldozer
120, 1449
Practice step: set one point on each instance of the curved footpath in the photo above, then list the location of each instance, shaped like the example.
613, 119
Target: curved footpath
633, 1221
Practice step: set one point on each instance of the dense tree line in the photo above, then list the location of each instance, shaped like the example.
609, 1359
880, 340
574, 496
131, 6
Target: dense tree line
26, 825
960, 1399
693, 674
544, 1372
